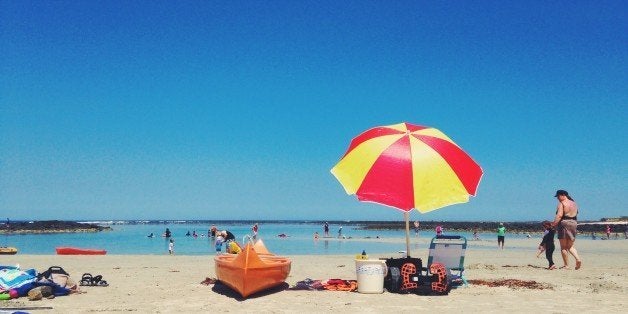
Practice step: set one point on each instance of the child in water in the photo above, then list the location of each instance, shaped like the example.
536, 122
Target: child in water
548, 244
171, 247
219, 241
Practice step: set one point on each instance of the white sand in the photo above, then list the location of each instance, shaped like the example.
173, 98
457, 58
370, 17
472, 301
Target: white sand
169, 284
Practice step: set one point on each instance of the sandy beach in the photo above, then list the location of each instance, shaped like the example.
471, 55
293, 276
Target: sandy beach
169, 284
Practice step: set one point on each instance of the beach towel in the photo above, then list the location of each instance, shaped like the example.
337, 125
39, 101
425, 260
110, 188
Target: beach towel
15, 278
9, 267
308, 284
341, 285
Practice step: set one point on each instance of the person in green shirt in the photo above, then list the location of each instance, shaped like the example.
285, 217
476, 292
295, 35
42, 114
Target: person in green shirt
501, 232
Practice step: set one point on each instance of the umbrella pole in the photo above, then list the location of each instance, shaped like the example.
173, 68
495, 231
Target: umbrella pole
406, 215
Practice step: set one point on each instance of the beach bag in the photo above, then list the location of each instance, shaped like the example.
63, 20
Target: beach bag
54, 274
403, 274
58, 276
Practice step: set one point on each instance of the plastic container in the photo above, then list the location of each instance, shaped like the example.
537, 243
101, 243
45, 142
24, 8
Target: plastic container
370, 275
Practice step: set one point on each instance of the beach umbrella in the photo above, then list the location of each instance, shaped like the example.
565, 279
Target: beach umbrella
407, 167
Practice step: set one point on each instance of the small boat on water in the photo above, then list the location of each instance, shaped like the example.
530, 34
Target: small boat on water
252, 270
66, 250
8, 250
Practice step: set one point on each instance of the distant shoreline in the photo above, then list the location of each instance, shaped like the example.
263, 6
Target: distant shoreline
58, 226
49, 226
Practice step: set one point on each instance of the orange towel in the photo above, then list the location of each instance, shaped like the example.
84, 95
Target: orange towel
341, 285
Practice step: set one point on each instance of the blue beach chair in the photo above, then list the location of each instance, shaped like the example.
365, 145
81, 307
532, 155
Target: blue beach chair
449, 250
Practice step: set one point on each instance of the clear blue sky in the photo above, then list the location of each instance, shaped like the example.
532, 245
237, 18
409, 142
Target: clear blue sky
239, 109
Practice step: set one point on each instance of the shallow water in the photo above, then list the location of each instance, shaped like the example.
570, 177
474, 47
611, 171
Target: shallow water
127, 239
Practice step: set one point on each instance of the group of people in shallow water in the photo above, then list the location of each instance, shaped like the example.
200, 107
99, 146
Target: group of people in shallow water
220, 237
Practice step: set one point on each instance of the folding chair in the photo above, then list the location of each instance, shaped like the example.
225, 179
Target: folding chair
449, 250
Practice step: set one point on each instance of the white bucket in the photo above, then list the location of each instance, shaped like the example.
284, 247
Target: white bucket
370, 275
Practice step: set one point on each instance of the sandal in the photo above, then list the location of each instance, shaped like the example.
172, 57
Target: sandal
86, 279
97, 281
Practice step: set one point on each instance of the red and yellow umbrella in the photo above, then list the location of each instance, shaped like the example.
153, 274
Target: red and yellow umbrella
408, 166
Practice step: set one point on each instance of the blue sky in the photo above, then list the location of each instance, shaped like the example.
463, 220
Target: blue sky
239, 109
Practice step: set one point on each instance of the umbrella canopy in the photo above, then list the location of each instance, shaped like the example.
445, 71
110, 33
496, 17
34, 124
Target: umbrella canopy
408, 166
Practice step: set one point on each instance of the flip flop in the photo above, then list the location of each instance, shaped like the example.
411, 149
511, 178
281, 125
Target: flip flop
578, 264
86, 279
552, 267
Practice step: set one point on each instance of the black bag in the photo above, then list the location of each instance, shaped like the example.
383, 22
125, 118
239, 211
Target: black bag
52, 270
403, 274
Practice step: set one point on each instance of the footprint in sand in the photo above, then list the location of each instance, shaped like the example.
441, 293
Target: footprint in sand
481, 266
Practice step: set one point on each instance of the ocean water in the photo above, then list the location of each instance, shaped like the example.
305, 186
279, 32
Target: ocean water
127, 239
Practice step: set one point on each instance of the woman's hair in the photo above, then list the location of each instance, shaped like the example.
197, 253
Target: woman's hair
569, 197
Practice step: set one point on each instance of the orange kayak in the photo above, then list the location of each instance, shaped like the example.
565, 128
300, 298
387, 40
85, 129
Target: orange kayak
78, 251
252, 270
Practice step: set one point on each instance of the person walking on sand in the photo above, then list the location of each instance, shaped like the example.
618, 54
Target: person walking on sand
501, 235
547, 244
171, 247
566, 224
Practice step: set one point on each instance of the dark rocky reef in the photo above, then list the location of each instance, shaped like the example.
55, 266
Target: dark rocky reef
49, 226
479, 226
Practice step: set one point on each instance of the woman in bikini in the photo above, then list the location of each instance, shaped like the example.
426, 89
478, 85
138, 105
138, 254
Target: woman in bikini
566, 226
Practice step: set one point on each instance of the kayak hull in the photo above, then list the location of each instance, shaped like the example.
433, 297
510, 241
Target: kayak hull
8, 250
252, 270
66, 250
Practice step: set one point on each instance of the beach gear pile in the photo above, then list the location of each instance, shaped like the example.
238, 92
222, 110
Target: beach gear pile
15, 283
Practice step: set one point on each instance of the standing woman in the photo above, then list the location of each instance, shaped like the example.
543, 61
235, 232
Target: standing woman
566, 226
